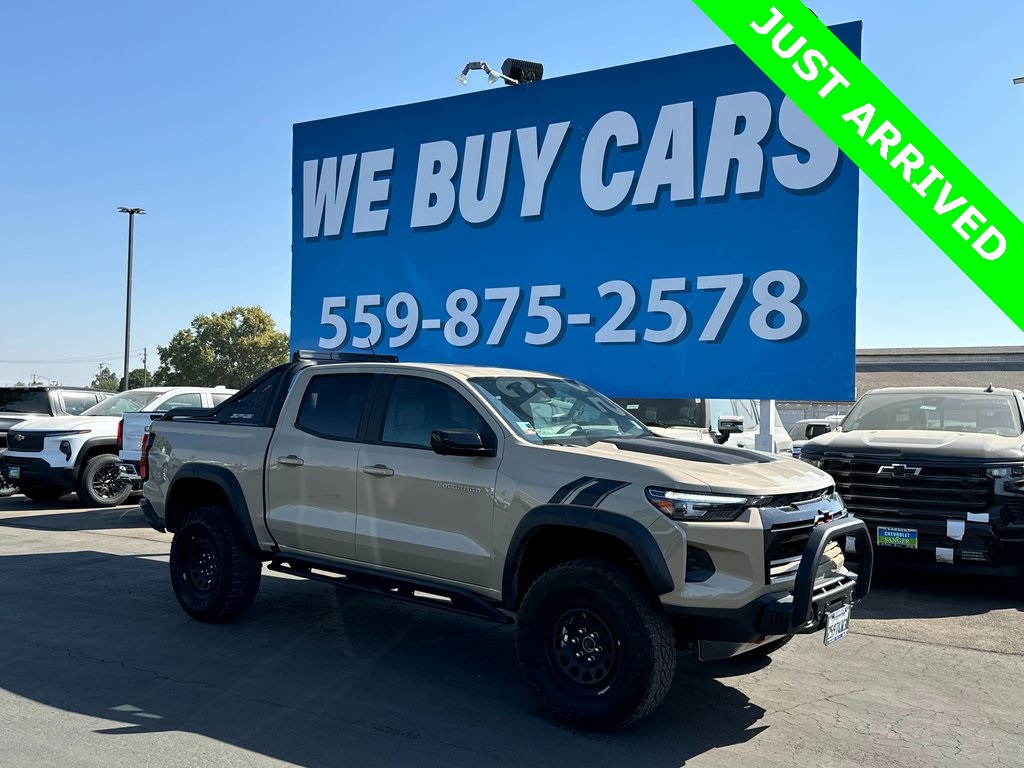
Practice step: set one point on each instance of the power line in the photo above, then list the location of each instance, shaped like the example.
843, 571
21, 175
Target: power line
71, 360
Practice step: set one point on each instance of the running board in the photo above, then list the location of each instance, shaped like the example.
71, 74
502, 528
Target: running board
423, 592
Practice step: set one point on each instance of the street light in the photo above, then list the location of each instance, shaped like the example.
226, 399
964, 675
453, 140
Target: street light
1018, 81
128, 302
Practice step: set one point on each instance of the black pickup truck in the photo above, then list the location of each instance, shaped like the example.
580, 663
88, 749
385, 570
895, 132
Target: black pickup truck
937, 473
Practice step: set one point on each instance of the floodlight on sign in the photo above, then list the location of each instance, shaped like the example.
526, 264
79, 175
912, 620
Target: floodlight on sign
521, 71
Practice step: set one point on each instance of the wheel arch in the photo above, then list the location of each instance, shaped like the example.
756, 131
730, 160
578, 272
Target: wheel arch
556, 533
94, 447
197, 485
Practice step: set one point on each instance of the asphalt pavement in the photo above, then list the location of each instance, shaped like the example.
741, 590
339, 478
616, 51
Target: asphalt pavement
100, 667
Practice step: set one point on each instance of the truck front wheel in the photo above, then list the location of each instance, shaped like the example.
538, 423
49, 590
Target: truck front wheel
594, 644
101, 483
215, 576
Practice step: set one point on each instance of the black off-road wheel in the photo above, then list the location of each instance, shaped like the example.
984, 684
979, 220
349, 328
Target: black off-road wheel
101, 483
41, 493
214, 574
594, 644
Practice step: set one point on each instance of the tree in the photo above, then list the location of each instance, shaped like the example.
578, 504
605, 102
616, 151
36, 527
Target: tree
137, 378
231, 348
105, 379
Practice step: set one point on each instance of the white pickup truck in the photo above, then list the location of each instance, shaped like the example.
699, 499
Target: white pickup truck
135, 424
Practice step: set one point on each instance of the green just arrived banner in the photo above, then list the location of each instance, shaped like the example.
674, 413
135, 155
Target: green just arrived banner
875, 130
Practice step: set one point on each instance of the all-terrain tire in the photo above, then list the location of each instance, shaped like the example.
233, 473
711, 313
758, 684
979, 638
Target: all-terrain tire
214, 574
594, 644
101, 483
41, 493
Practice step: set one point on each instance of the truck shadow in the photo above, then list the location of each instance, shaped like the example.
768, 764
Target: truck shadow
903, 593
75, 518
312, 673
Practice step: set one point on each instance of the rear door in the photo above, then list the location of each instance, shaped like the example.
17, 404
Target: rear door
313, 461
421, 512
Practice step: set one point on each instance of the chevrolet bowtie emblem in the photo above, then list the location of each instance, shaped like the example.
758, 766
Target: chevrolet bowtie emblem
19, 437
899, 470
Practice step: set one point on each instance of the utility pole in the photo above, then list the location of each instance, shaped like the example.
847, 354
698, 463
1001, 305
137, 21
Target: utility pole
145, 368
128, 302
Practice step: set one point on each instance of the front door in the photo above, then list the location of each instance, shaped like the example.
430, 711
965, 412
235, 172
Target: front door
421, 512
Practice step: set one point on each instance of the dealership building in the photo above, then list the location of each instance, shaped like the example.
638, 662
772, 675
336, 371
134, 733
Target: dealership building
921, 367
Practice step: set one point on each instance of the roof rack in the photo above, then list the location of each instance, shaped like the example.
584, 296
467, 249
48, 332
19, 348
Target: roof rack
343, 357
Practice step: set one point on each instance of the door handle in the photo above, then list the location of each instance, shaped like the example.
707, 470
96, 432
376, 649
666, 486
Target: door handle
379, 470
290, 461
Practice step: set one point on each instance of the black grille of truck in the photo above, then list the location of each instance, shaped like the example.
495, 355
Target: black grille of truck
25, 441
893, 488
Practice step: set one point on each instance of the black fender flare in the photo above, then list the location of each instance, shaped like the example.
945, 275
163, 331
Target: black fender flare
95, 442
627, 530
228, 483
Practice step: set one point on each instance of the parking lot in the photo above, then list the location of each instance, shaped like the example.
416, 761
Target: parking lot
99, 666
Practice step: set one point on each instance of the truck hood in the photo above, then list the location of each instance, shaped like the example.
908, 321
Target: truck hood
717, 468
8, 419
98, 424
916, 444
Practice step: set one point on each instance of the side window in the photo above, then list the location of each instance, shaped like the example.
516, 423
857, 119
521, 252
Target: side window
76, 402
419, 406
183, 400
253, 402
332, 405
219, 397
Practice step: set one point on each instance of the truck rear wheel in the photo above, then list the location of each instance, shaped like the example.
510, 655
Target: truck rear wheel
101, 483
214, 574
594, 644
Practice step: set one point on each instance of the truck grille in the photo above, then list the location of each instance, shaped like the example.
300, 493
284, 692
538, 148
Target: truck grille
28, 442
785, 550
899, 490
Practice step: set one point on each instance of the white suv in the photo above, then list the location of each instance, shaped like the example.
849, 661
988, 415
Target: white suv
51, 457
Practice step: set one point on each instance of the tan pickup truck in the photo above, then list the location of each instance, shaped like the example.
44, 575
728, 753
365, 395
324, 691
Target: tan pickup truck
512, 496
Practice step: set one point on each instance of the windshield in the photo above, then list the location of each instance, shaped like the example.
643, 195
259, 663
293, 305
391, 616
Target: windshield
24, 401
991, 414
124, 402
549, 410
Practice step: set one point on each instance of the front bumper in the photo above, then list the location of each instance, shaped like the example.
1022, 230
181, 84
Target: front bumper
28, 473
979, 548
801, 610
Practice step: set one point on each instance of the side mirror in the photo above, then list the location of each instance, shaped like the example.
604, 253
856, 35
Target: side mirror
813, 430
459, 442
728, 425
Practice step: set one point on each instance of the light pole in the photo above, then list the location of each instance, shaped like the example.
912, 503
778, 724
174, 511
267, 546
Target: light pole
1018, 81
128, 302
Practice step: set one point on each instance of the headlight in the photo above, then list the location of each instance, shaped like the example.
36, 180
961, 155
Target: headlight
67, 432
684, 505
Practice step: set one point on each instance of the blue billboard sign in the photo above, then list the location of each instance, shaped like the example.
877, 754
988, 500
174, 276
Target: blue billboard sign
669, 228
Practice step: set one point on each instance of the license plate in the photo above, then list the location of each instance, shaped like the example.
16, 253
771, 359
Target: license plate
837, 624
897, 537
13, 473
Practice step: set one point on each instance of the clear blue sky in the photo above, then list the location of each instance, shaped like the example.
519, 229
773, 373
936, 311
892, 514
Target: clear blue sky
186, 109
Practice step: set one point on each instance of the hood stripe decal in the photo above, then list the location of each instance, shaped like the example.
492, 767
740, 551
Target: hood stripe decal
586, 491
